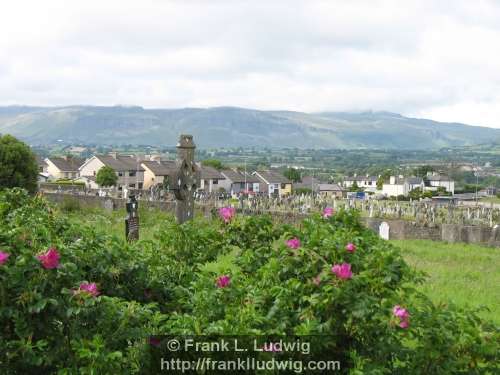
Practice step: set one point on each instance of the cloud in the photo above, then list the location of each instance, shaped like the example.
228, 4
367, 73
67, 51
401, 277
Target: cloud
421, 58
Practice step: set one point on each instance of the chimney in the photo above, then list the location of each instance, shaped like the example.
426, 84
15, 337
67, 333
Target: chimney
113, 154
392, 180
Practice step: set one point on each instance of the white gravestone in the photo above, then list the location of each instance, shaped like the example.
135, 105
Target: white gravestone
383, 230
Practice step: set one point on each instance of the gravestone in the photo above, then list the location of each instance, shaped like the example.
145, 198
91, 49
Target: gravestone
132, 220
109, 205
186, 180
383, 230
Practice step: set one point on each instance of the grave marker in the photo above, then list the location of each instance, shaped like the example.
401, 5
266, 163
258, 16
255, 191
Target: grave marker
383, 230
132, 220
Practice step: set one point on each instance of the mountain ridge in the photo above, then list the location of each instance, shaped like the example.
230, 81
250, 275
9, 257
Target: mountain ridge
235, 127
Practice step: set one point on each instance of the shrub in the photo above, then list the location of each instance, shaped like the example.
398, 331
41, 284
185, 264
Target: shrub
230, 277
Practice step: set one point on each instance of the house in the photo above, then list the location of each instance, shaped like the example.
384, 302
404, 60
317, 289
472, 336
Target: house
65, 167
368, 183
274, 183
89, 181
158, 172
436, 181
319, 187
402, 185
236, 182
42, 165
210, 178
330, 190
128, 169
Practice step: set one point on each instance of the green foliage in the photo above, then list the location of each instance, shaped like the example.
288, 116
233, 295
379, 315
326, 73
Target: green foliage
166, 285
302, 191
106, 176
292, 174
18, 166
217, 164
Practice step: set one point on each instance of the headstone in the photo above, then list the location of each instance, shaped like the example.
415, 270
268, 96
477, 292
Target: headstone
109, 205
383, 230
186, 179
132, 220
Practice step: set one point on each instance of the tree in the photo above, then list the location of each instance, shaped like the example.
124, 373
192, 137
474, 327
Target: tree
292, 174
18, 166
106, 176
217, 164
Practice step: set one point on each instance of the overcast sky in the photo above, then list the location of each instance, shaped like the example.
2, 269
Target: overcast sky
437, 59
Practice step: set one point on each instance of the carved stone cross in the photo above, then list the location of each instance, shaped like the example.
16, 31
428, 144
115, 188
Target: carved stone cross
186, 180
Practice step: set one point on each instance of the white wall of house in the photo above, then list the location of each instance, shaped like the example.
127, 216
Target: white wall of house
448, 185
55, 173
128, 179
393, 190
91, 167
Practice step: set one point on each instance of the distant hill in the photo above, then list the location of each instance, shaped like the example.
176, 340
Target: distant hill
233, 127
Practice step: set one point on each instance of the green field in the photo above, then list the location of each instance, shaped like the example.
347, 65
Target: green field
467, 275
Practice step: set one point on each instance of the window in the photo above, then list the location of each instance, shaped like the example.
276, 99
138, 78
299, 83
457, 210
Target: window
215, 182
140, 185
131, 185
131, 173
242, 185
283, 186
120, 174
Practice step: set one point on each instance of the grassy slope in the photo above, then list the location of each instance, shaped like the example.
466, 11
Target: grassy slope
467, 275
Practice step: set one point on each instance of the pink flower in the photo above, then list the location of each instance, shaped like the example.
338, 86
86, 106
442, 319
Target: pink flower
50, 259
223, 281
3, 257
350, 247
403, 315
294, 243
327, 212
89, 288
227, 213
342, 271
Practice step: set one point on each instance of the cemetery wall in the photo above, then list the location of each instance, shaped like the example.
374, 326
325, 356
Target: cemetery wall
398, 229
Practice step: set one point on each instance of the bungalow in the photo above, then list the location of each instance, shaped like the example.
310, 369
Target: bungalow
65, 167
368, 183
402, 186
330, 190
236, 182
319, 187
274, 183
128, 169
210, 179
436, 181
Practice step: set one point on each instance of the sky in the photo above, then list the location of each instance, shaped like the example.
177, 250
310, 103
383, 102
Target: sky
431, 59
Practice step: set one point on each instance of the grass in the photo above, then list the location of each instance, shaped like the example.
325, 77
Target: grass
467, 275
491, 199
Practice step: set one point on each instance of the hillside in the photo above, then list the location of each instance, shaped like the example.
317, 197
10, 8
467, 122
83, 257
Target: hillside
232, 127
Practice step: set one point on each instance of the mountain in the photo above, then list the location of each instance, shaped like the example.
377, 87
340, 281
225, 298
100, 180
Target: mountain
234, 127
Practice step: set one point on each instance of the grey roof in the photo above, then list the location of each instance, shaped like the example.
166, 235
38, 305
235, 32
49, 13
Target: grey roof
40, 161
361, 178
161, 168
409, 180
329, 187
439, 178
121, 163
272, 177
238, 177
211, 173
67, 164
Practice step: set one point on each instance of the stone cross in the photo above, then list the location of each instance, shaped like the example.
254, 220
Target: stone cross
132, 220
187, 178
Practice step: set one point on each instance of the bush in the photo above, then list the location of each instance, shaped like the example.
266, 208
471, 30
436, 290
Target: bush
169, 286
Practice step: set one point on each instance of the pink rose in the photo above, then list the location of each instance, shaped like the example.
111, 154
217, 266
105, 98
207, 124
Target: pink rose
327, 212
89, 288
223, 281
403, 315
227, 213
50, 259
294, 243
350, 247
3, 257
342, 271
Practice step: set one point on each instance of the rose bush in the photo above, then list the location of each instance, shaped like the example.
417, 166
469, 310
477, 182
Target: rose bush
95, 307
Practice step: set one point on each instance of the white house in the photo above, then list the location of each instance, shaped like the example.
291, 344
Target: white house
369, 183
436, 181
402, 186
128, 169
